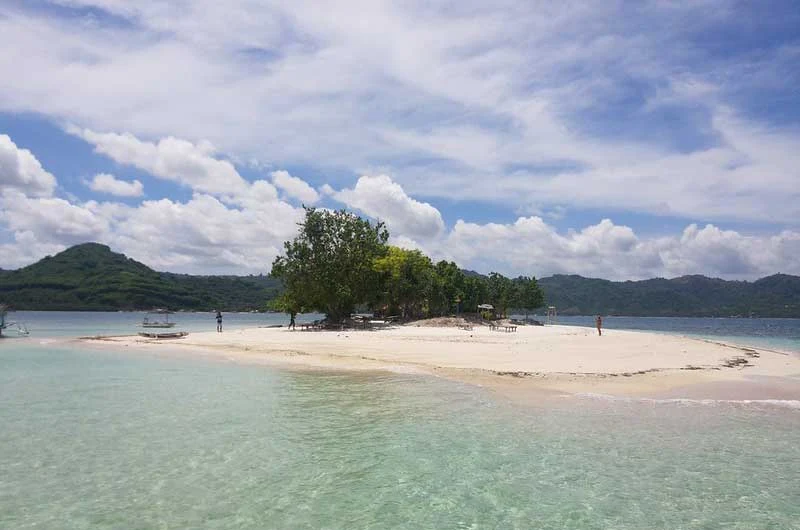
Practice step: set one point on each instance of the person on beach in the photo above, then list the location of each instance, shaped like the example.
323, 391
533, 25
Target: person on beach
291, 319
219, 322
599, 322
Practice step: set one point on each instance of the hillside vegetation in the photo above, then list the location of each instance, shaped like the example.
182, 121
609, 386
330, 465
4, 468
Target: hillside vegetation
92, 277
695, 296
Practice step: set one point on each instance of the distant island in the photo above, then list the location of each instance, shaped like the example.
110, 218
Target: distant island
91, 276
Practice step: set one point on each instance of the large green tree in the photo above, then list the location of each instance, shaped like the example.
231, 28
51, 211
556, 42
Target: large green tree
329, 265
501, 292
475, 292
527, 294
447, 288
406, 276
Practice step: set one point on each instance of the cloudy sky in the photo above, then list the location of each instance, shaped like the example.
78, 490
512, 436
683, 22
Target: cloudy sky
614, 139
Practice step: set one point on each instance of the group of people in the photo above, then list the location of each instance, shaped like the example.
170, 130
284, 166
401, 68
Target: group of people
598, 322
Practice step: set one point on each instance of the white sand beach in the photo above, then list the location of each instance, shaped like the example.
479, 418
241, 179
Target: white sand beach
530, 361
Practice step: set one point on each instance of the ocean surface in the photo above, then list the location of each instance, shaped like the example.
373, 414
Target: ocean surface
95, 439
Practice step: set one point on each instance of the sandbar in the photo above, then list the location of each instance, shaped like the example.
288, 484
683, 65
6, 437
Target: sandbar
532, 362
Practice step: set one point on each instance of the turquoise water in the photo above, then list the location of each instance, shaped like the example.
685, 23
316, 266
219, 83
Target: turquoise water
95, 439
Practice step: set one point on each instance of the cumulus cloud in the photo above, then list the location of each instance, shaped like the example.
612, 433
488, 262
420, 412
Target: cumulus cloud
106, 183
218, 232
174, 159
381, 198
214, 238
51, 219
606, 250
294, 187
20, 170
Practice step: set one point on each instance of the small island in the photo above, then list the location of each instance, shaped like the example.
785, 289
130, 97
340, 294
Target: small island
340, 264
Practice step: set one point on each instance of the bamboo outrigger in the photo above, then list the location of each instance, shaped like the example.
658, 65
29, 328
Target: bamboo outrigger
154, 322
6, 324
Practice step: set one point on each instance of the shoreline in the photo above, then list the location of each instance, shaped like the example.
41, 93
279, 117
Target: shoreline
527, 366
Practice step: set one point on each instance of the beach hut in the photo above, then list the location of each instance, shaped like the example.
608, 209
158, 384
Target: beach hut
552, 315
483, 308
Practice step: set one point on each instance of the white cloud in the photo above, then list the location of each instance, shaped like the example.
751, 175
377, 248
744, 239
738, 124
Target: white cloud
243, 233
294, 187
381, 198
214, 238
228, 233
20, 170
51, 219
106, 183
577, 104
605, 250
174, 159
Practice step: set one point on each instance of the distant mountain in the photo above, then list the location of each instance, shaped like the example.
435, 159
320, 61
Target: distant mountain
773, 296
92, 277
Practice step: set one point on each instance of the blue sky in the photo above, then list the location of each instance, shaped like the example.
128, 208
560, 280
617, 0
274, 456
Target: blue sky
614, 139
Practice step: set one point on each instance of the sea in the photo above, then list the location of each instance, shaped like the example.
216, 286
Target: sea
94, 439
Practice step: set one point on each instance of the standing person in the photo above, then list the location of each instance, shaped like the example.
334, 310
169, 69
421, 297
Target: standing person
599, 322
219, 322
292, 314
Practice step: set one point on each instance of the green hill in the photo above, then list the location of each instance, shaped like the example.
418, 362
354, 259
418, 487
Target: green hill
773, 296
92, 277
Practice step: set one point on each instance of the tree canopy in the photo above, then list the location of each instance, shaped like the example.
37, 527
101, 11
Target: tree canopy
329, 266
339, 262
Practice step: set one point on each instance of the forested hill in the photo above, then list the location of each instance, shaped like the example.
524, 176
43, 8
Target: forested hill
772, 296
92, 277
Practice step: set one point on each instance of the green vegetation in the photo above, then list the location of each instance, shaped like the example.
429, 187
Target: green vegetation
91, 277
328, 267
339, 263
690, 296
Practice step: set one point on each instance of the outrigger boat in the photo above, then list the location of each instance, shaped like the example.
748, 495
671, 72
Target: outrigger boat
163, 334
17, 327
151, 319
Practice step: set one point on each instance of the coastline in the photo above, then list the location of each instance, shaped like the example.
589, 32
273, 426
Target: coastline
527, 366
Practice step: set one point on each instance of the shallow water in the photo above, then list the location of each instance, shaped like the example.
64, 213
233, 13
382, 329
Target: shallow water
59, 324
110, 440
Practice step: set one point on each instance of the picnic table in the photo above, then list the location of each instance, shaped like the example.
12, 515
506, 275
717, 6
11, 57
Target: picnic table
507, 329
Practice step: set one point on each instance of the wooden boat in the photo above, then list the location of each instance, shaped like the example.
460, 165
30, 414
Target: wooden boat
152, 319
163, 334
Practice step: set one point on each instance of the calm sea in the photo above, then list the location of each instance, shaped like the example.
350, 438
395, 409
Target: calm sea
95, 439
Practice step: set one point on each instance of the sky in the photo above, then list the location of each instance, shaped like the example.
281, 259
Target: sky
615, 139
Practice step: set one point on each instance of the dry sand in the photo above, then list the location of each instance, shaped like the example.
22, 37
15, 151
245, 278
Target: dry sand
534, 361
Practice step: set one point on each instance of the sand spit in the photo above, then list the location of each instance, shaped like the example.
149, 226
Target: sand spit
532, 360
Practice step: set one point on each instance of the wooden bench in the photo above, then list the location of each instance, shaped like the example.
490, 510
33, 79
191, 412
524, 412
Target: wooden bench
465, 327
308, 326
